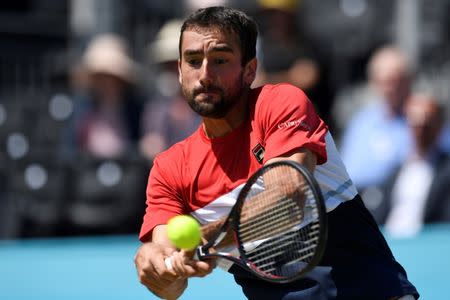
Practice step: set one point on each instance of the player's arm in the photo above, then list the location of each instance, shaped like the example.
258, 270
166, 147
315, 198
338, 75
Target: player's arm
302, 156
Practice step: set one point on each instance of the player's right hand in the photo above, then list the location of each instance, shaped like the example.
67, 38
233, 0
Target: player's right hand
153, 273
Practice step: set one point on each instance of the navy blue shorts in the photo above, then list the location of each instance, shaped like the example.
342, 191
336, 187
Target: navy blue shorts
357, 264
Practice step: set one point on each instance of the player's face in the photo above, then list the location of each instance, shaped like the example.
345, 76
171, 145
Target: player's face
210, 71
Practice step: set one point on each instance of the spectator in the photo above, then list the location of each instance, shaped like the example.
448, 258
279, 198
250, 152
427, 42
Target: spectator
419, 190
377, 138
167, 118
106, 119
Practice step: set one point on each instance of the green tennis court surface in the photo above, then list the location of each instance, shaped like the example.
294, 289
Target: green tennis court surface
103, 268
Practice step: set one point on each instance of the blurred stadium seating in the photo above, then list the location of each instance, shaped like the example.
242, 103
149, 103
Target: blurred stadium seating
108, 195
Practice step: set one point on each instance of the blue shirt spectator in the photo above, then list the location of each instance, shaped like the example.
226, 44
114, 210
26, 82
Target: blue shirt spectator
373, 144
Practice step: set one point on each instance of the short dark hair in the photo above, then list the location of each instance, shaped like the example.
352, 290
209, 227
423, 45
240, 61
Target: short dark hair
226, 18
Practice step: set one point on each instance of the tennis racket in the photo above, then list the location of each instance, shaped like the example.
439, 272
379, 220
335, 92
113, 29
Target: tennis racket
278, 225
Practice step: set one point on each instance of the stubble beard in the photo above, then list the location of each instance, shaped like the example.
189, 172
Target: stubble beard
216, 109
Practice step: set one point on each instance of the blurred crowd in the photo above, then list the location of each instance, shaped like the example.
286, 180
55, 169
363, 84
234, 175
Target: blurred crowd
77, 146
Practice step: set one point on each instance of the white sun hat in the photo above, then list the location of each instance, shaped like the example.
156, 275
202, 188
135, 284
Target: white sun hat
108, 54
165, 46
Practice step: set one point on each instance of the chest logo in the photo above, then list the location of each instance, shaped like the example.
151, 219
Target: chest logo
258, 152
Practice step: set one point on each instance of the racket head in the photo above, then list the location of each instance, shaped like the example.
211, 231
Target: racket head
286, 237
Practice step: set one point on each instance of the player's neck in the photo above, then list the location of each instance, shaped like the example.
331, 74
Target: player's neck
220, 127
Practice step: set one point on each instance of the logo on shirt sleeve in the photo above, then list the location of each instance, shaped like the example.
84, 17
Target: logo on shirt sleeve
295, 123
258, 152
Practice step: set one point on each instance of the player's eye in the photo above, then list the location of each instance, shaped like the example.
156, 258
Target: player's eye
220, 61
194, 62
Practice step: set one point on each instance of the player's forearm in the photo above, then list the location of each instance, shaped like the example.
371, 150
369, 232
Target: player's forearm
303, 156
210, 230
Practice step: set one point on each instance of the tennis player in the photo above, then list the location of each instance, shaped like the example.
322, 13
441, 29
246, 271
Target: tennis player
242, 129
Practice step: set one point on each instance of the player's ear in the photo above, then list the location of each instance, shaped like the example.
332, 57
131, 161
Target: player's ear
250, 71
179, 71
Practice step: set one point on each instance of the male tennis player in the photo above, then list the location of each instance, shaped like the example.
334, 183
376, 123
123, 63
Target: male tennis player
242, 129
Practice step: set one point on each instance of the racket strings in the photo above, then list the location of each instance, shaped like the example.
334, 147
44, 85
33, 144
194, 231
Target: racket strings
266, 263
287, 256
275, 212
279, 248
282, 215
283, 236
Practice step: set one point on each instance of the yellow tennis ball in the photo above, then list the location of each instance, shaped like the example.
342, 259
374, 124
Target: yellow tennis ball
184, 232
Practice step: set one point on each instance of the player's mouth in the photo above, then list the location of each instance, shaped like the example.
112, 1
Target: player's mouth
207, 94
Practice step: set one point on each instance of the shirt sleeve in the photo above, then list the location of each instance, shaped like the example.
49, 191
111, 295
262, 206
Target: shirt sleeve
288, 121
163, 200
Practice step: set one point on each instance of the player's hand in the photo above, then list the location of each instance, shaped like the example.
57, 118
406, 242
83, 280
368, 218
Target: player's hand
153, 273
183, 264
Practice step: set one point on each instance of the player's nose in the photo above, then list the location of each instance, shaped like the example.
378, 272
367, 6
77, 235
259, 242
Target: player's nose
206, 74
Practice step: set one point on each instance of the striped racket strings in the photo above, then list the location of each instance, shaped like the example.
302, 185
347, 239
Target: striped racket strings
279, 226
